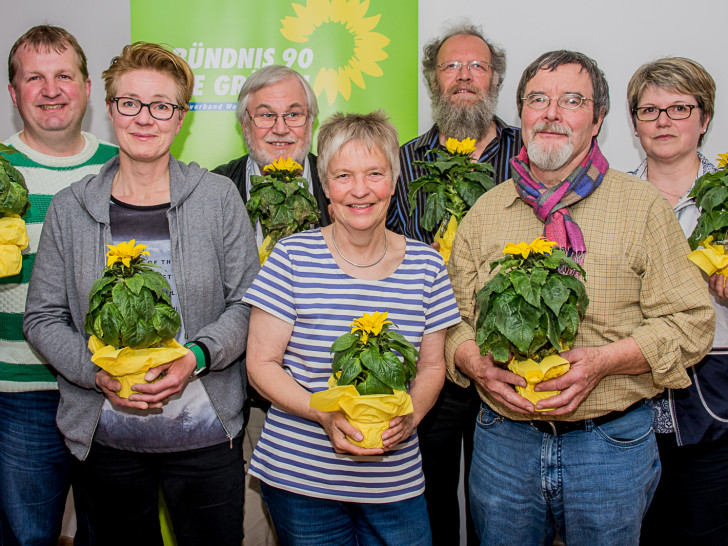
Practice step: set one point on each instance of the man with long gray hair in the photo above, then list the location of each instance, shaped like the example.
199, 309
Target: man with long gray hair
464, 72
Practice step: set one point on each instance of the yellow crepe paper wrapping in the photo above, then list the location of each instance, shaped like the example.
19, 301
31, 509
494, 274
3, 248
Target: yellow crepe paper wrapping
129, 366
369, 413
447, 238
551, 367
711, 259
263, 251
13, 239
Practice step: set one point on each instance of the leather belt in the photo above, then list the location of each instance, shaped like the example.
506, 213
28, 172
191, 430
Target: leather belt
556, 428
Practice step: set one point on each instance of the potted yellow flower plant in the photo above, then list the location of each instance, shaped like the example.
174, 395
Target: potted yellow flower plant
369, 381
711, 232
453, 184
530, 311
281, 201
13, 205
130, 317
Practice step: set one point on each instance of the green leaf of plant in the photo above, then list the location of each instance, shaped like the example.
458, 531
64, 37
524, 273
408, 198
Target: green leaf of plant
144, 304
134, 283
343, 342
517, 319
99, 285
166, 321
469, 191
350, 370
555, 293
435, 209
155, 282
714, 197
395, 375
269, 196
109, 324
373, 385
139, 335
123, 301
568, 324
373, 362
550, 326
522, 284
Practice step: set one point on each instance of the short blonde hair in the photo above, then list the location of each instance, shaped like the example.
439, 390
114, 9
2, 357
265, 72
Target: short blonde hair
374, 130
675, 74
150, 56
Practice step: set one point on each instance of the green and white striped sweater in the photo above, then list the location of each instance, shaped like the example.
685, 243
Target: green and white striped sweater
21, 368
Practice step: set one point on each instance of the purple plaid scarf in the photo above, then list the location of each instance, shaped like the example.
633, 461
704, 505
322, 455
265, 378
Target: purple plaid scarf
550, 204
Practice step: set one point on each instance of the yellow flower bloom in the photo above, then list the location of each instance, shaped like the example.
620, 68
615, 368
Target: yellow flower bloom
125, 252
521, 248
370, 324
722, 160
464, 147
284, 166
542, 246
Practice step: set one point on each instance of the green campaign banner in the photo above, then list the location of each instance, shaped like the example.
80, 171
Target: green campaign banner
358, 55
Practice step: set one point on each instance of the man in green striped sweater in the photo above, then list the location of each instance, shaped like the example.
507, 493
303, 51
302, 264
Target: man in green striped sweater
49, 86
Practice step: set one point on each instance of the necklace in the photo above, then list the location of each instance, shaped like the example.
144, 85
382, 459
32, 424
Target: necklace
347, 260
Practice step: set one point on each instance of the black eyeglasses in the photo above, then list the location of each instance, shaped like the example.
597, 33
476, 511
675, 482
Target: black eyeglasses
267, 120
160, 110
477, 67
674, 111
569, 101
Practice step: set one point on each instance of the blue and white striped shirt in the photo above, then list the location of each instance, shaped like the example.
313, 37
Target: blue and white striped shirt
301, 284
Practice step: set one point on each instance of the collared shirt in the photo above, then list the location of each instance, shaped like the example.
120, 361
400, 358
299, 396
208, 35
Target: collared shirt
498, 152
687, 214
638, 278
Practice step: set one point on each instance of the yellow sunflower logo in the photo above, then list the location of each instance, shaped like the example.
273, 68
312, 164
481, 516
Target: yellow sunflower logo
322, 23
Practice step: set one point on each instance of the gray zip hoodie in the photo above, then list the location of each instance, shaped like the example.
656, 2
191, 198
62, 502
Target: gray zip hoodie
214, 260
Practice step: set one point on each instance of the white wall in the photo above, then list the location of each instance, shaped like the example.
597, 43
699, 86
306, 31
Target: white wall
620, 35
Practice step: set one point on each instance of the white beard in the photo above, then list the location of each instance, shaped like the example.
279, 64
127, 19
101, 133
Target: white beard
549, 158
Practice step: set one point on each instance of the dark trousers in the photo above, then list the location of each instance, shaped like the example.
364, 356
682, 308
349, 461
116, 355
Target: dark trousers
448, 424
690, 506
203, 489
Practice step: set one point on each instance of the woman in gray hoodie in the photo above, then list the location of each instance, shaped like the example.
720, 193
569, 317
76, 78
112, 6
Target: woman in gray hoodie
181, 433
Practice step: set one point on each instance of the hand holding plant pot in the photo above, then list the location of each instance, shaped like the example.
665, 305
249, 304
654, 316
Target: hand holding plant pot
530, 311
369, 381
130, 317
281, 201
453, 185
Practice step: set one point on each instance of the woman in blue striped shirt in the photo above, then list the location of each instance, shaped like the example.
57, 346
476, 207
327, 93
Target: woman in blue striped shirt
319, 487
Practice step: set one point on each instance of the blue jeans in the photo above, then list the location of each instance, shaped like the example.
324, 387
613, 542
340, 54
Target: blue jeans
308, 521
34, 471
595, 485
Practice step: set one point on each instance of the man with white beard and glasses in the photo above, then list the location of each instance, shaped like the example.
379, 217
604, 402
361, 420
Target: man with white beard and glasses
276, 110
584, 461
464, 73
